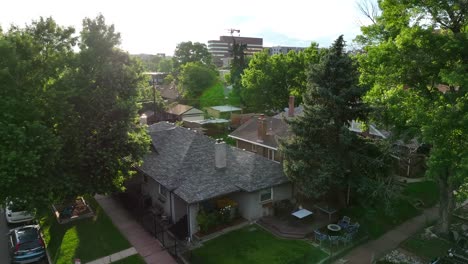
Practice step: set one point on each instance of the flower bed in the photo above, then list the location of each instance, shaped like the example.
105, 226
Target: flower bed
73, 210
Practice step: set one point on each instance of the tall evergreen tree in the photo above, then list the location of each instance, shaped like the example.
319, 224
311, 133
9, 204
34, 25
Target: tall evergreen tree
317, 154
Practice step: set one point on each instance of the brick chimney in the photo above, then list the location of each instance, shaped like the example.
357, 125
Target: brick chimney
220, 154
261, 128
291, 106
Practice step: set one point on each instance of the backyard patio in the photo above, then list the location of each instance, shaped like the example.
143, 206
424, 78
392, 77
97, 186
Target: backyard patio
299, 223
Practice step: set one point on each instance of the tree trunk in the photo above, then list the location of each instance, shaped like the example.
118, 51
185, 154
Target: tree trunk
446, 204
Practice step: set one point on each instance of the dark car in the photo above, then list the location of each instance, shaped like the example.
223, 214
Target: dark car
26, 244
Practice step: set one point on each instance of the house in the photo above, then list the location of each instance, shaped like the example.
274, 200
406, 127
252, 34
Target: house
180, 112
187, 170
223, 111
260, 134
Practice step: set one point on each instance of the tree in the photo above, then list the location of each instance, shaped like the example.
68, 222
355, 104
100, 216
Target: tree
269, 80
165, 65
416, 60
191, 52
34, 62
318, 155
69, 121
237, 67
194, 78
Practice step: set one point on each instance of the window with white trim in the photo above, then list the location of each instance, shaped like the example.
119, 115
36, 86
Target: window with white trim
254, 148
162, 191
266, 195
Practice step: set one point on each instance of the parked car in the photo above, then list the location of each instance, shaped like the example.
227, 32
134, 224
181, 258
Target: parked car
26, 244
15, 213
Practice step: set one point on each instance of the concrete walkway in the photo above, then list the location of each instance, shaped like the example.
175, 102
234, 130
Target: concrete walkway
115, 257
375, 249
145, 244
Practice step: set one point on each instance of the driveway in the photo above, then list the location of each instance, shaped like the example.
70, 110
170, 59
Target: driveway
4, 256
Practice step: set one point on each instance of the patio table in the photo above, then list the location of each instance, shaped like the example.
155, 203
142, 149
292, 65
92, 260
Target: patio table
326, 209
302, 213
334, 227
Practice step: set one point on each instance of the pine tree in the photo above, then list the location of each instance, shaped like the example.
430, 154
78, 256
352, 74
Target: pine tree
317, 155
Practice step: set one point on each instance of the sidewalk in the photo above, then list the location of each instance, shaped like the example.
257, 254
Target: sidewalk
146, 245
377, 248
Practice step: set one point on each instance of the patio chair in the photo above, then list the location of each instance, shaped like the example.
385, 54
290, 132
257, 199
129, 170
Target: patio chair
319, 236
347, 238
344, 223
334, 240
352, 228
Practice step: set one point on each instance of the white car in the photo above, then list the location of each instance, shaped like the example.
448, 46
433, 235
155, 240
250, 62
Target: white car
16, 214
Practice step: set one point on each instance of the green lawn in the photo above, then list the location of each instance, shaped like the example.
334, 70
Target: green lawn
86, 239
252, 244
376, 221
428, 248
135, 259
427, 192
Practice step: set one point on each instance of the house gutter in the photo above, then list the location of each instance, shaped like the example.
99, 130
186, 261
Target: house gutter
252, 142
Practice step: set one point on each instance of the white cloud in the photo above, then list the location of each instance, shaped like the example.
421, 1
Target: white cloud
151, 26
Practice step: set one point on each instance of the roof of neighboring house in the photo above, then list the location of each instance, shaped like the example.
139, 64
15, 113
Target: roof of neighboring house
180, 109
226, 108
297, 112
276, 128
184, 162
169, 91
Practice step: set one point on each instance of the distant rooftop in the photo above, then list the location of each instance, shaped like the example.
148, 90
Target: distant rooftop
226, 108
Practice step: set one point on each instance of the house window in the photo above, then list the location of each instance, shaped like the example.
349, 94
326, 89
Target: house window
266, 195
254, 148
162, 191
271, 154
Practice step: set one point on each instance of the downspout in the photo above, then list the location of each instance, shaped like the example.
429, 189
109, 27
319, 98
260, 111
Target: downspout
170, 206
189, 222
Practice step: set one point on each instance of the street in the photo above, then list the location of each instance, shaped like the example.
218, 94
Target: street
4, 256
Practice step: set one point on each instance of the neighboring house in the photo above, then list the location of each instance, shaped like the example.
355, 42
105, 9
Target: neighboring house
187, 170
261, 134
180, 112
169, 92
223, 111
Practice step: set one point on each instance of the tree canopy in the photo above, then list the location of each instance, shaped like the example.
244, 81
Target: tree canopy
191, 52
269, 80
69, 121
195, 78
416, 61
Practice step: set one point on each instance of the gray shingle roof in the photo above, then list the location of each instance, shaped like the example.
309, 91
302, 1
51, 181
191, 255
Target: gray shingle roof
184, 163
276, 128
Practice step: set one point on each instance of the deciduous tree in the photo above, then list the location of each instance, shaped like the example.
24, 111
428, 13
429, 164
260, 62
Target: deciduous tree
416, 60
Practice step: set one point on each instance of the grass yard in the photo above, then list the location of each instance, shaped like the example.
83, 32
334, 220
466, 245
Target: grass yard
86, 239
428, 248
426, 191
376, 221
135, 259
252, 244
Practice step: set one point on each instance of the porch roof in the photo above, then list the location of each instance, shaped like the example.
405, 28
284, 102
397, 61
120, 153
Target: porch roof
183, 161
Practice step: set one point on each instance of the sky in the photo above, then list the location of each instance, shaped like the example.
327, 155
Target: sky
157, 26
